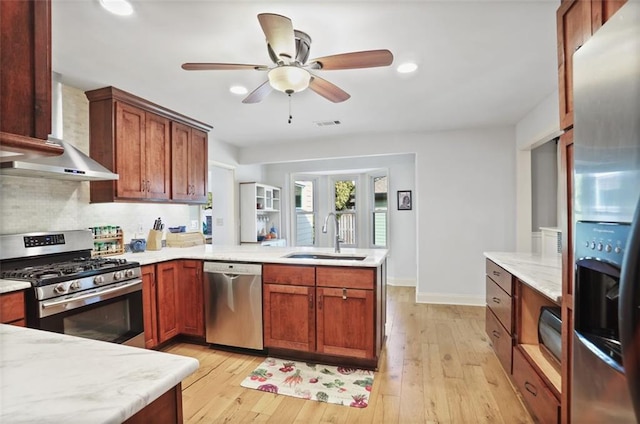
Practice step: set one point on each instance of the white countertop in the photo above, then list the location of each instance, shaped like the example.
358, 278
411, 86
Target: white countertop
54, 378
243, 253
258, 254
542, 273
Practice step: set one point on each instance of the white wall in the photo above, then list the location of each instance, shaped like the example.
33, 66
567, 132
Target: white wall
464, 200
537, 127
223, 216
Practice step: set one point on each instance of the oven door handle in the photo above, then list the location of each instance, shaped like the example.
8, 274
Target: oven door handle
57, 306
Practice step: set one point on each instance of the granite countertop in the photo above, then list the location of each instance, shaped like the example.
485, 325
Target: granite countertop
542, 273
54, 378
242, 253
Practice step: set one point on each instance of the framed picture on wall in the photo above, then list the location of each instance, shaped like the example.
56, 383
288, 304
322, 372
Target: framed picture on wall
404, 200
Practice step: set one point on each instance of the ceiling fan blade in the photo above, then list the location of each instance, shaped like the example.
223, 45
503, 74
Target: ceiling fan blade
222, 67
257, 95
328, 90
353, 60
279, 32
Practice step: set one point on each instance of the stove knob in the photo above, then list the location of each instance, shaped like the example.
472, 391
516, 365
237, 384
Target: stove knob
98, 279
118, 275
60, 288
75, 285
600, 246
129, 273
617, 249
593, 245
608, 248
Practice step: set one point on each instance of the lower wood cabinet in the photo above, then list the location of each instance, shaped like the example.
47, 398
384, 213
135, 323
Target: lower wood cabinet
345, 322
333, 313
173, 301
191, 299
541, 402
149, 306
12, 308
289, 316
501, 341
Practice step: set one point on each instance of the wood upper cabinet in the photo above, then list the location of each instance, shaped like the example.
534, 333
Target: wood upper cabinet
159, 155
25, 79
143, 153
577, 21
188, 163
167, 278
149, 306
191, 296
289, 317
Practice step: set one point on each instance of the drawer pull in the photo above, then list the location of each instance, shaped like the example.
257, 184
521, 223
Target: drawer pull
496, 334
496, 300
496, 273
531, 388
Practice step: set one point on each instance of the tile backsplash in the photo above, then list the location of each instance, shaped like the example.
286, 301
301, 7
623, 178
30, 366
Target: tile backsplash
38, 204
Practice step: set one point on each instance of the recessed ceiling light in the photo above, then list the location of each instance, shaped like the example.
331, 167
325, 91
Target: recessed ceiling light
407, 67
117, 7
238, 89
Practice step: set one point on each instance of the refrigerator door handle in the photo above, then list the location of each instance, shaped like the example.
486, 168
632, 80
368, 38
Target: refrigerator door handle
629, 312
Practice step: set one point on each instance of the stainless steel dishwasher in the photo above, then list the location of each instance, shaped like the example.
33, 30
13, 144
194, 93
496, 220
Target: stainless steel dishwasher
233, 304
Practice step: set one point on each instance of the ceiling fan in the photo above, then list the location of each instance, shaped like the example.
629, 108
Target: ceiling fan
289, 51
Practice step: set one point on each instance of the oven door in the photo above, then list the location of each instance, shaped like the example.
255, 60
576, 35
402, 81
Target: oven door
112, 314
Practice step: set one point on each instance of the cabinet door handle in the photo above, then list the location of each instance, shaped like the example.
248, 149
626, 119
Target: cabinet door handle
311, 302
344, 294
495, 334
531, 388
148, 186
496, 300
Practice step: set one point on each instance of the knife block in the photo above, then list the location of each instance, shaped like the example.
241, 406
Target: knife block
154, 240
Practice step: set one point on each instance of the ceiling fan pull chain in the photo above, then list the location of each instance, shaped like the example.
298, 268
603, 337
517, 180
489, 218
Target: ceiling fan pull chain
290, 116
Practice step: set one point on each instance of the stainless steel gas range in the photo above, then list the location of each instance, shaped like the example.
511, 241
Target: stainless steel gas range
71, 292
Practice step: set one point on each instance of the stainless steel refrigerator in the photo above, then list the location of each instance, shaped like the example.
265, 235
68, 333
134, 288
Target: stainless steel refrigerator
606, 352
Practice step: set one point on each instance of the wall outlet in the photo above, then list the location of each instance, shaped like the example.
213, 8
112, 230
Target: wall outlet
219, 222
194, 224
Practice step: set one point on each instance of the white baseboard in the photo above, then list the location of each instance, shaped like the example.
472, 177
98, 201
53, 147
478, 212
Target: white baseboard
401, 282
451, 299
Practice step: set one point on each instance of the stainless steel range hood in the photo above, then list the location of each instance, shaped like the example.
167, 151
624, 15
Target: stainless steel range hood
70, 165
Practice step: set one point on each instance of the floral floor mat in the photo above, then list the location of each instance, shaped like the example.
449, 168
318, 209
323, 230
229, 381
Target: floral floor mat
322, 383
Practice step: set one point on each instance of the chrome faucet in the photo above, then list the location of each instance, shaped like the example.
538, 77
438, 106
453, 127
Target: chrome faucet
324, 229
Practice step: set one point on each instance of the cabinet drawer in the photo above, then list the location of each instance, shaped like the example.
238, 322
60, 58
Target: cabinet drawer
289, 274
500, 303
12, 307
500, 276
500, 340
539, 399
350, 278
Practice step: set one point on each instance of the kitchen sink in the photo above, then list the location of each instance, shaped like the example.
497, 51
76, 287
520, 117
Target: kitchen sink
325, 256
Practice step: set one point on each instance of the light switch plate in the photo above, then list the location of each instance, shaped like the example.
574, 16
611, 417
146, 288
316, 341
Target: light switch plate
194, 224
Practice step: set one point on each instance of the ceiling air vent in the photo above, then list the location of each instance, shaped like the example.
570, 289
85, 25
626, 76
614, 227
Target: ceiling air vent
326, 123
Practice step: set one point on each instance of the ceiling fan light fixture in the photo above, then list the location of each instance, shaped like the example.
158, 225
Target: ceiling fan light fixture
289, 79
117, 7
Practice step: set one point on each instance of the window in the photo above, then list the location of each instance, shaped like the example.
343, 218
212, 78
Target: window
380, 205
345, 209
305, 215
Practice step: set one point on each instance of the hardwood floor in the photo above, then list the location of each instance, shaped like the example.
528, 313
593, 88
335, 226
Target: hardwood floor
436, 367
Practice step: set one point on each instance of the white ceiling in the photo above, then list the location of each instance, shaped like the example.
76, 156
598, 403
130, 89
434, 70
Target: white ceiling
482, 63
